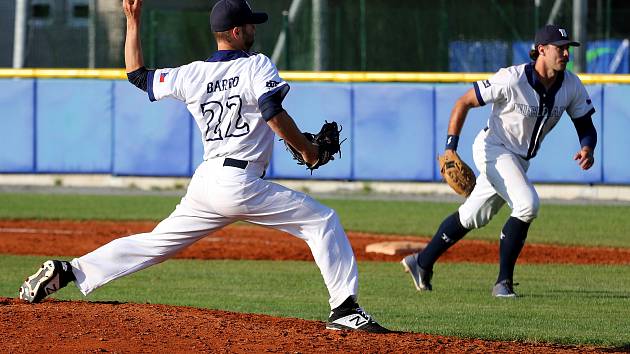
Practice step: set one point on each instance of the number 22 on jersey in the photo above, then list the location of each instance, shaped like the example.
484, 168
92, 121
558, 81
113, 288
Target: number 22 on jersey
224, 120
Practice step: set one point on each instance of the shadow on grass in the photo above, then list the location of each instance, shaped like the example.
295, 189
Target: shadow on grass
593, 294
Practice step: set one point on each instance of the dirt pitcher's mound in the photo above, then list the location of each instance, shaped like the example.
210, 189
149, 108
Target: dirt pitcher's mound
70, 327
88, 327
76, 238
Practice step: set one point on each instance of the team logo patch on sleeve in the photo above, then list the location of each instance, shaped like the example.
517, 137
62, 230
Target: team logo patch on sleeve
588, 101
272, 84
162, 76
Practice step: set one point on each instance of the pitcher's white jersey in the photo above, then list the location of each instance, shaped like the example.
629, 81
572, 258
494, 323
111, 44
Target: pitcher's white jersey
222, 94
523, 111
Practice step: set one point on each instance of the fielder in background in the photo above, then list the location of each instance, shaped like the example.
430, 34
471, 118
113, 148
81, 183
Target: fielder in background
528, 101
235, 97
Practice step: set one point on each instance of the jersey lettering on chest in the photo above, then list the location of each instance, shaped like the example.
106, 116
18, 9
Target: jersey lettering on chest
222, 85
534, 111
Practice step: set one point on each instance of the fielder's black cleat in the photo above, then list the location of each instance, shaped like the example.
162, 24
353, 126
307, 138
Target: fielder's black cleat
50, 277
349, 316
421, 277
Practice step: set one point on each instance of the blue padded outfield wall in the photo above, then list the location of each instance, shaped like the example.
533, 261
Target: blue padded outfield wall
394, 131
17, 126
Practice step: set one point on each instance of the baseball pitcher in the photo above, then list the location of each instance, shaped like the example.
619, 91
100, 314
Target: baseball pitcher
527, 102
235, 97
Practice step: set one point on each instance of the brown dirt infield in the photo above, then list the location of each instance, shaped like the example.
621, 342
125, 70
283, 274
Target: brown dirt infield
75, 238
62, 326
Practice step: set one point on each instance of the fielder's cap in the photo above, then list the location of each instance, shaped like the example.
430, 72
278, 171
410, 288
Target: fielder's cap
228, 14
552, 34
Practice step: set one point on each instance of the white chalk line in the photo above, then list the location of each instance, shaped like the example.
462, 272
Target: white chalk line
16, 230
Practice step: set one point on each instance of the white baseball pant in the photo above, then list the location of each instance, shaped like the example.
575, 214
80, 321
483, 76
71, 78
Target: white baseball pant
502, 178
220, 195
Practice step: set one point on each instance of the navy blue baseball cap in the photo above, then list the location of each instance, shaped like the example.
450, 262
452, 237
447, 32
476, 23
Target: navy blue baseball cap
227, 14
552, 34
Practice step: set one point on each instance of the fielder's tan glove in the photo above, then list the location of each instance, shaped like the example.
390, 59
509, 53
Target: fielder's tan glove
456, 173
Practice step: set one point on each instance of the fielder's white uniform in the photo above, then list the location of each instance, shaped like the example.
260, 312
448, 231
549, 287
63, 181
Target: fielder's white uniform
523, 112
222, 94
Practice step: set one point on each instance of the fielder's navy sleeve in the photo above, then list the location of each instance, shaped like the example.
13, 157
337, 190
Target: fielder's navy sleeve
586, 130
581, 110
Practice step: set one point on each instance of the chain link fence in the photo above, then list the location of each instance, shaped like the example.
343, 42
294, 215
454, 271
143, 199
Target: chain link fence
340, 35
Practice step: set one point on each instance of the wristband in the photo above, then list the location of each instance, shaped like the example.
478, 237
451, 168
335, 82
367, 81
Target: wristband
451, 142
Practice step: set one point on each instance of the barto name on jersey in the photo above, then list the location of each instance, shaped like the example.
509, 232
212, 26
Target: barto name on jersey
222, 85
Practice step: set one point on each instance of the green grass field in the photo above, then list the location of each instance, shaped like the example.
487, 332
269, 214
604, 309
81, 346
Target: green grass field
588, 225
565, 304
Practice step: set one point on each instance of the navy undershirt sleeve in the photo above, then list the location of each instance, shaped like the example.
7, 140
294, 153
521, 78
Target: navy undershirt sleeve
586, 130
270, 103
139, 78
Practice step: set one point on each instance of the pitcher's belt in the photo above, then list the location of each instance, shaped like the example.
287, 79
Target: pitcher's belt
235, 163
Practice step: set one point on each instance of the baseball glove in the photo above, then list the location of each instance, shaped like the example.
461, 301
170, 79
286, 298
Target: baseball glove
457, 174
327, 141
